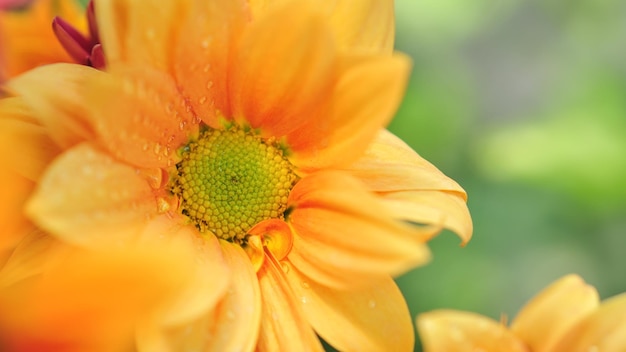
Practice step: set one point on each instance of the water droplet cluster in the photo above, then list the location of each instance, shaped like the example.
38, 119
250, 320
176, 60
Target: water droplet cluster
230, 180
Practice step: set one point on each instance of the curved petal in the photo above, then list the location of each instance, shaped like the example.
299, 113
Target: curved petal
203, 56
454, 331
139, 32
283, 76
25, 147
375, 318
390, 165
283, 324
546, 317
344, 237
363, 101
603, 330
412, 188
445, 209
139, 115
53, 93
87, 197
91, 300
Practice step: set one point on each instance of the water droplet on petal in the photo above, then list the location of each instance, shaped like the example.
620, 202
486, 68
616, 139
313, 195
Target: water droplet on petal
285, 267
209, 84
304, 299
145, 147
305, 285
157, 148
206, 68
202, 100
162, 205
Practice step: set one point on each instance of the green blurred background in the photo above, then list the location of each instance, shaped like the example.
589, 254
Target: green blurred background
523, 102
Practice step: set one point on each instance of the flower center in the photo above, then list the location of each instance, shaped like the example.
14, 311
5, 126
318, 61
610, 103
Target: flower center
228, 181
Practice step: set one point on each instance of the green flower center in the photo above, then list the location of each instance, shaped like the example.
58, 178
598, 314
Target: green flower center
230, 180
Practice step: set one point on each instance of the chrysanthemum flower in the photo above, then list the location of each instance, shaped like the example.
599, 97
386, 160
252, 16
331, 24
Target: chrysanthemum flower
251, 134
565, 317
26, 40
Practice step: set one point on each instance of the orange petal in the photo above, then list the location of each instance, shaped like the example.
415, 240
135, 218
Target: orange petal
371, 319
13, 222
139, 115
393, 168
210, 275
54, 94
283, 324
238, 317
28, 258
25, 147
454, 331
366, 26
345, 237
363, 101
139, 32
86, 197
281, 76
551, 313
91, 300
603, 330
204, 53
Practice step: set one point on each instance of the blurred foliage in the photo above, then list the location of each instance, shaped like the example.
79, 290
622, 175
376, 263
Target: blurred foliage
523, 103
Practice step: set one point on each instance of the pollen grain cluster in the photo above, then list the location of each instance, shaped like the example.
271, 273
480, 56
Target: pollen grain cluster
229, 180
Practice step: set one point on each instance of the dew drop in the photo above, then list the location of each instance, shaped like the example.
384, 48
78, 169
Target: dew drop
304, 299
305, 285
371, 303
157, 148
182, 125
206, 68
202, 100
145, 147
285, 267
162, 205
209, 84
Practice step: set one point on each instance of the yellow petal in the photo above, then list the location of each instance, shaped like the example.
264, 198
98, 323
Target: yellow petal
86, 197
53, 93
545, 318
604, 330
139, 32
363, 101
139, 115
279, 75
25, 147
375, 318
91, 300
204, 53
345, 238
277, 236
455, 331
412, 188
283, 324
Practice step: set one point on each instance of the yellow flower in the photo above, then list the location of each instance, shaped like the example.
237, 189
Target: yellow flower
565, 317
26, 40
249, 137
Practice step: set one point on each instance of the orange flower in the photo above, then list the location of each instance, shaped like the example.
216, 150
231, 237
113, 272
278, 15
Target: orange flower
566, 316
26, 40
253, 135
